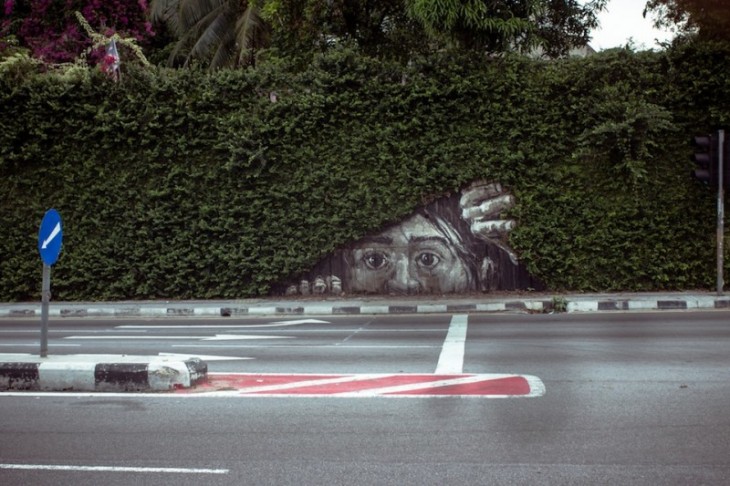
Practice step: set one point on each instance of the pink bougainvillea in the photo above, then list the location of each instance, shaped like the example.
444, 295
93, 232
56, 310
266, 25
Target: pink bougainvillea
9, 4
49, 28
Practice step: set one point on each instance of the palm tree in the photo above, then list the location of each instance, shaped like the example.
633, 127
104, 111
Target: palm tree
216, 33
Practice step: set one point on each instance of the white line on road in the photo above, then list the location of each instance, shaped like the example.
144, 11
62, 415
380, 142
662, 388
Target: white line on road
451, 360
204, 357
240, 326
173, 470
299, 331
217, 337
57, 331
300, 346
30, 345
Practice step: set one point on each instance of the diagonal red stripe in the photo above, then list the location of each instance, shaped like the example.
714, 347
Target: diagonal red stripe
514, 385
236, 381
358, 385
508, 386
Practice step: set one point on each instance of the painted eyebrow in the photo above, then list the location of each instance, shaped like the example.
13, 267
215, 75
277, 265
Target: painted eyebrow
437, 239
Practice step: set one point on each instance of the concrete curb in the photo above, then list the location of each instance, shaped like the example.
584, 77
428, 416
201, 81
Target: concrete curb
97, 373
542, 304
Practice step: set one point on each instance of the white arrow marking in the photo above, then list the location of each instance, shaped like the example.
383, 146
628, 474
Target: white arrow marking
217, 337
53, 234
204, 357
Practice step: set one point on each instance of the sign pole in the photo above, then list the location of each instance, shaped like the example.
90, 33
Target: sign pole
720, 211
45, 299
50, 240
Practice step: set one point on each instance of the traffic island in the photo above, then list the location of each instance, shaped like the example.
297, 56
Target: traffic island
99, 373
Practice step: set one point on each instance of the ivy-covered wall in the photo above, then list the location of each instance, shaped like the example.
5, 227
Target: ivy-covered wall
179, 184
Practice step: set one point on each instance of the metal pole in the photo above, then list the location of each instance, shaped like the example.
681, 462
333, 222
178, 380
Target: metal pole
45, 299
720, 211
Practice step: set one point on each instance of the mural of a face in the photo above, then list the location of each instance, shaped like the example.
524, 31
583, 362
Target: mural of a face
413, 257
457, 243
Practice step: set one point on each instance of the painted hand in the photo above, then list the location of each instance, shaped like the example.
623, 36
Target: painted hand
482, 206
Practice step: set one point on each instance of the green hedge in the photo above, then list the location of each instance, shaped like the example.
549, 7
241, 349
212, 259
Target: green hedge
180, 184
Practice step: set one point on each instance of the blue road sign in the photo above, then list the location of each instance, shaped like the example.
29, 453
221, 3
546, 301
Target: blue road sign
50, 237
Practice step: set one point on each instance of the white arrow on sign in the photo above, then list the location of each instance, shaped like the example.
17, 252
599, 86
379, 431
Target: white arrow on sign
217, 337
53, 234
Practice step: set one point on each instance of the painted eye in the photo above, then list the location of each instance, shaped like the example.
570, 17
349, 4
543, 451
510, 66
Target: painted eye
375, 260
427, 259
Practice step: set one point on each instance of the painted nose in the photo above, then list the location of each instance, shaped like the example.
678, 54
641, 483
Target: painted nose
401, 280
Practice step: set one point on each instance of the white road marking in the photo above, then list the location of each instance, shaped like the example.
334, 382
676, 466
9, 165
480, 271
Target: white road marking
169, 470
300, 331
297, 321
267, 346
57, 331
204, 357
451, 360
217, 337
227, 326
54, 345
239, 337
537, 387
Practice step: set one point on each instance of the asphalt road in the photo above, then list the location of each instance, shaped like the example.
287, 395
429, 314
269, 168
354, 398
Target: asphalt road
638, 398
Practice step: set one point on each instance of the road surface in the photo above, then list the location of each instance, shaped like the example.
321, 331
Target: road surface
638, 398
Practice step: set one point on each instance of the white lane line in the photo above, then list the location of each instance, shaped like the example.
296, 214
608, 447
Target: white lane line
299, 346
298, 331
25, 345
240, 326
451, 360
173, 470
217, 337
63, 331
204, 357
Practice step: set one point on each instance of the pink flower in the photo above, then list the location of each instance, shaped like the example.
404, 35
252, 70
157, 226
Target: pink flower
9, 4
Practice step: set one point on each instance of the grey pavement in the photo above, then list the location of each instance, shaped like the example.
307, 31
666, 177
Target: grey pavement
134, 373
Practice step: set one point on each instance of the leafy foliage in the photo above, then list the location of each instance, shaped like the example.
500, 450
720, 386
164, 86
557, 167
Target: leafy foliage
218, 33
553, 26
182, 184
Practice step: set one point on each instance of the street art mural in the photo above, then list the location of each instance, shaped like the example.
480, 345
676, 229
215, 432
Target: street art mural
456, 244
